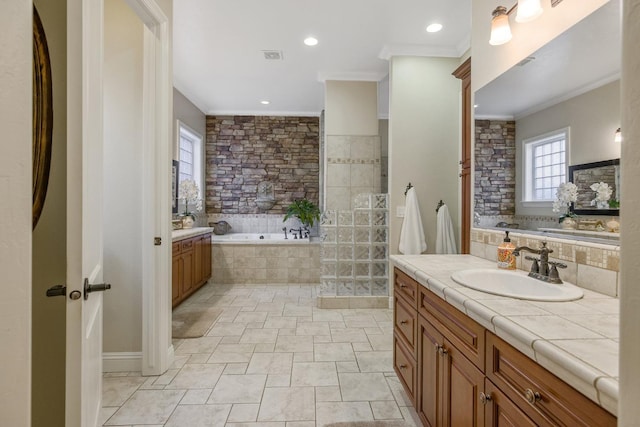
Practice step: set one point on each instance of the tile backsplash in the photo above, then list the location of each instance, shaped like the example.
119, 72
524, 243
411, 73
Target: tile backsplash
592, 266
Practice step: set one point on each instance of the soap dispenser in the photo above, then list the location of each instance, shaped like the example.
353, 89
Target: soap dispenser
506, 259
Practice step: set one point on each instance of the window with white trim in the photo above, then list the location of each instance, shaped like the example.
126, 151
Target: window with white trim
545, 165
190, 155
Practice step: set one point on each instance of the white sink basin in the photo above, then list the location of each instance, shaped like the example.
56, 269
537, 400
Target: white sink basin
515, 284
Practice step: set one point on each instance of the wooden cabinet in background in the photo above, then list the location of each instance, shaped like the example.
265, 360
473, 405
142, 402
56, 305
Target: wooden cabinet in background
191, 266
458, 374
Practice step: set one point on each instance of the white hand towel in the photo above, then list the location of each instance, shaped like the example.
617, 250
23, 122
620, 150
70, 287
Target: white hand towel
412, 234
445, 239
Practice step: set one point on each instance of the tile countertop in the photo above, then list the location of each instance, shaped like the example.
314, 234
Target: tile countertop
577, 340
189, 232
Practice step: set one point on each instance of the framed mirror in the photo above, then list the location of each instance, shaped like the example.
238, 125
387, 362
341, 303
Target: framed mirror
588, 175
42, 117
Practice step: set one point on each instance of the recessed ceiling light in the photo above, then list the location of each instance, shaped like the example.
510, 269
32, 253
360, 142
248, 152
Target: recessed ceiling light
475, 106
434, 28
311, 41
265, 102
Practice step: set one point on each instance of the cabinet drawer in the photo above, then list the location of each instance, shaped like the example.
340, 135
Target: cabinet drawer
406, 287
464, 333
540, 394
175, 248
405, 367
186, 245
406, 323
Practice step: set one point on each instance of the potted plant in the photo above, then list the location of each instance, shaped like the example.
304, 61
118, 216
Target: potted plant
306, 211
566, 194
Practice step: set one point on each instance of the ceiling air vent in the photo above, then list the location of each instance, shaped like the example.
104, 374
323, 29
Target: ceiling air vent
525, 61
272, 55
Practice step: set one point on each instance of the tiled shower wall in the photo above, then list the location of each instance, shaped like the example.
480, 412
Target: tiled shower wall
353, 167
495, 167
242, 151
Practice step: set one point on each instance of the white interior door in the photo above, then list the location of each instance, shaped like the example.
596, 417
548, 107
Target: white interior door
84, 211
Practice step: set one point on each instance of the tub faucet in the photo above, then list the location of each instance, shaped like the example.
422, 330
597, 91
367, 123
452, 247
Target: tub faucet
296, 230
285, 233
542, 271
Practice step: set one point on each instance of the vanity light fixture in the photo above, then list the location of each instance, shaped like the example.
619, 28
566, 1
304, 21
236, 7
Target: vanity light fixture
311, 41
618, 136
500, 29
528, 10
434, 28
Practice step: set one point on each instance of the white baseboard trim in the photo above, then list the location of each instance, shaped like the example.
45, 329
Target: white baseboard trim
122, 361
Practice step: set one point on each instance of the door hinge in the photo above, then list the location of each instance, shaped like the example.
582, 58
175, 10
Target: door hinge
157, 241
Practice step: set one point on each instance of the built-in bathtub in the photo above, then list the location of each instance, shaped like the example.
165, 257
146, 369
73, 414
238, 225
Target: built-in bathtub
265, 258
261, 239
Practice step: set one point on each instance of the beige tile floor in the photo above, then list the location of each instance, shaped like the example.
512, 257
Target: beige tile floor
272, 359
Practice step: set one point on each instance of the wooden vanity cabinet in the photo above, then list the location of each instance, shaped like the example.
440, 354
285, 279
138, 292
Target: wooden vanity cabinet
545, 398
449, 385
191, 266
459, 374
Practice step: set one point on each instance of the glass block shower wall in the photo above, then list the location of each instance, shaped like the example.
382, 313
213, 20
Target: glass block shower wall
354, 251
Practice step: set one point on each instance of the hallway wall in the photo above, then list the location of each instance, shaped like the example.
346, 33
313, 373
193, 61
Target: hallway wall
49, 241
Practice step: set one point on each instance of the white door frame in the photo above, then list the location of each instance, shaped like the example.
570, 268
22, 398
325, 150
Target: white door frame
157, 350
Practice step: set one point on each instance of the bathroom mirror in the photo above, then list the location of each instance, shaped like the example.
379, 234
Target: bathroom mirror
571, 83
585, 175
42, 118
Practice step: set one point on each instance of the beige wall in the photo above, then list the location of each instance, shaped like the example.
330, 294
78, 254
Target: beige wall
629, 410
424, 140
491, 61
123, 178
351, 108
185, 111
16, 51
49, 242
593, 118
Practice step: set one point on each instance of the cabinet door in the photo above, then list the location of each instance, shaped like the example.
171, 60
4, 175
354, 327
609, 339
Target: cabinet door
176, 279
197, 260
206, 257
187, 275
430, 375
502, 412
462, 385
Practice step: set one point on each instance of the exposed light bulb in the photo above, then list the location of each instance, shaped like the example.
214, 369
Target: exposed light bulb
528, 10
500, 29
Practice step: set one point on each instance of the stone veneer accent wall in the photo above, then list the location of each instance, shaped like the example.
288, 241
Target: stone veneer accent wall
495, 167
242, 151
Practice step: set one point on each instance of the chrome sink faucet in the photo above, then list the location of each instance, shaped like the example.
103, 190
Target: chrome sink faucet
542, 268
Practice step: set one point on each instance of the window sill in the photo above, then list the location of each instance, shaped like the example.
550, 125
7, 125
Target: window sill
536, 204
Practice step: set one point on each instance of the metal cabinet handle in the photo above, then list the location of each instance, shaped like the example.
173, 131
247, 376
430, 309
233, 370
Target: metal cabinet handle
443, 351
485, 398
402, 285
438, 347
403, 322
532, 396
403, 366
